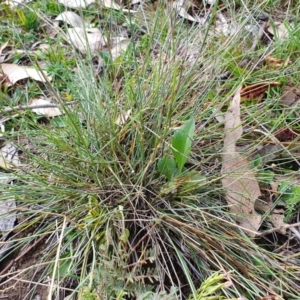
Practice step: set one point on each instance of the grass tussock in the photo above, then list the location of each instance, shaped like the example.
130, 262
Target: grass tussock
89, 188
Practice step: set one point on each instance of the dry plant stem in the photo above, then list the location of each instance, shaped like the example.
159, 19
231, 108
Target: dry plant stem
52, 285
36, 283
286, 226
19, 272
25, 107
210, 241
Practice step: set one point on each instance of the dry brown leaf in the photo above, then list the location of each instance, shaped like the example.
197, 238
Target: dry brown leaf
258, 89
277, 219
276, 63
289, 98
15, 73
276, 216
45, 111
84, 39
239, 182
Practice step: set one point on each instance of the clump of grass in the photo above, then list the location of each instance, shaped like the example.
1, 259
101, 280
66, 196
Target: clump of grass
115, 227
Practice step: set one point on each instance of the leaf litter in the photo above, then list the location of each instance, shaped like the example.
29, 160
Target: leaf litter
238, 180
85, 40
14, 73
70, 18
240, 184
44, 111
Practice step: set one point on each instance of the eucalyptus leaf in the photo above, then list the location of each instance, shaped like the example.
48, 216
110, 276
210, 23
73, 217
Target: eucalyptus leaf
182, 143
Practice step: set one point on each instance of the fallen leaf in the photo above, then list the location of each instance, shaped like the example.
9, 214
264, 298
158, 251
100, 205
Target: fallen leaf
276, 63
84, 39
257, 89
277, 219
45, 111
9, 54
286, 134
121, 46
9, 156
70, 18
15, 73
14, 3
182, 12
288, 98
276, 216
113, 5
239, 182
280, 30
268, 152
76, 3
6, 177
7, 211
123, 117
7, 219
223, 27
2, 57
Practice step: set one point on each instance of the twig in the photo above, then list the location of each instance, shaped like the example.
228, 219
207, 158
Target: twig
279, 228
35, 266
37, 283
25, 107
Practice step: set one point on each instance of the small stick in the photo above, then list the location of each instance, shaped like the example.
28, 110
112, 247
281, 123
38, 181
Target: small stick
24, 107
285, 226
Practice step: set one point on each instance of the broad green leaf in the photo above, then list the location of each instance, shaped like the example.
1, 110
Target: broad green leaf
65, 266
182, 143
167, 167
